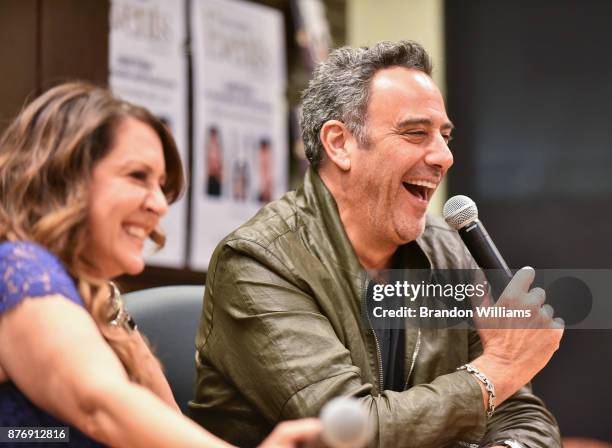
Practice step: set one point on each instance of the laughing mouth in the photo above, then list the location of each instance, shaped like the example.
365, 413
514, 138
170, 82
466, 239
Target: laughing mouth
136, 232
422, 189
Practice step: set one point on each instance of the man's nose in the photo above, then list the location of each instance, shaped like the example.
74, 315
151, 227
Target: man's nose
439, 154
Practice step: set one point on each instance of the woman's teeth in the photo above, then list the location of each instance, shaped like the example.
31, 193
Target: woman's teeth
137, 232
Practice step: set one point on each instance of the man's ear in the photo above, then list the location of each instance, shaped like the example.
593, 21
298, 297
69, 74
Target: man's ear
336, 139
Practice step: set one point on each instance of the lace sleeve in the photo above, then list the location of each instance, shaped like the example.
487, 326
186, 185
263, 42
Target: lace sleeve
29, 270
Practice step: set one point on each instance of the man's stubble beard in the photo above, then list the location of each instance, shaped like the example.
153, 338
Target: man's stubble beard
387, 229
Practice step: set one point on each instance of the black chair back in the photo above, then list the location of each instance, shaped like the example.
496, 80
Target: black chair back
168, 316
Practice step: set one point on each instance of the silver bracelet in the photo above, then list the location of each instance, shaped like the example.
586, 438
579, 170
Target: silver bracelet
513, 444
509, 443
488, 386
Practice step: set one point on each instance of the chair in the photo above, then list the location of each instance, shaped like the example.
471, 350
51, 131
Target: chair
168, 316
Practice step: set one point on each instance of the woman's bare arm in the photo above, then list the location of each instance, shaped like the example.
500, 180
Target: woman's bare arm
53, 352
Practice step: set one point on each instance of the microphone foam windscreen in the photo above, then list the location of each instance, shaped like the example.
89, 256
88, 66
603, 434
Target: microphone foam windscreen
345, 423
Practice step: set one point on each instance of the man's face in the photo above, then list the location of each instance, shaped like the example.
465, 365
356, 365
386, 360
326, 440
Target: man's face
407, 156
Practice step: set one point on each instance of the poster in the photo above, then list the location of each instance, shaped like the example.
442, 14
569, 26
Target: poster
240, 118
147, 64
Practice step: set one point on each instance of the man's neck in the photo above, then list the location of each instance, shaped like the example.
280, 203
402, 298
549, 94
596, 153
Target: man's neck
369, 250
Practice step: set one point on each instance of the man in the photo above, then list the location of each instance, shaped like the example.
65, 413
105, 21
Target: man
281, 330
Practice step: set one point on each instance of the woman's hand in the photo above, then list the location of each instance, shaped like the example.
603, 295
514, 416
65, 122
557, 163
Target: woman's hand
294, 434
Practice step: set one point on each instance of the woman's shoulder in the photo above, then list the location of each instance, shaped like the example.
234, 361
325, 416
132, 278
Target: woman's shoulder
24, 251
29, 270
26, 257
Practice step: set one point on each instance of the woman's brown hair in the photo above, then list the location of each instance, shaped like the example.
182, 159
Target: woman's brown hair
47, 156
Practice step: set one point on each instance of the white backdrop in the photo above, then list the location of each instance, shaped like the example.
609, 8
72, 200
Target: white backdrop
147, 65
240, 120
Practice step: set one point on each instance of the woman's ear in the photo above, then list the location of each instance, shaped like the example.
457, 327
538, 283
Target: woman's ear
336, 140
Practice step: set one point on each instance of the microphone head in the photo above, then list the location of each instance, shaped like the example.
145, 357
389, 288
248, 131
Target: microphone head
345, 423
459, 211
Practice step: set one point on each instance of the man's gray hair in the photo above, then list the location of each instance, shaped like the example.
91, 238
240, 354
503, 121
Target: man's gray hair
339, 89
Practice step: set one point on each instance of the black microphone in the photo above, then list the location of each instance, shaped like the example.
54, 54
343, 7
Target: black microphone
570, 297
461, 213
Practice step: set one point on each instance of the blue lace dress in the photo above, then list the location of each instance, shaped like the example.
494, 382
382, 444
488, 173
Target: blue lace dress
29, 270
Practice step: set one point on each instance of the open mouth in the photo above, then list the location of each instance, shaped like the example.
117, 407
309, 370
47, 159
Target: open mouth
136, 232
422, 190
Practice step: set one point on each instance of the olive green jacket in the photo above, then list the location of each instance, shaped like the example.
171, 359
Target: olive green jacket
281, 334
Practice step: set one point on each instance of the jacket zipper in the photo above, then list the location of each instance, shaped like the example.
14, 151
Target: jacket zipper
378, 356
415, 353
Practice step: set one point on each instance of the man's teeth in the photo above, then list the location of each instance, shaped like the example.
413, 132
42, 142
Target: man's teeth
423, 183
135, 231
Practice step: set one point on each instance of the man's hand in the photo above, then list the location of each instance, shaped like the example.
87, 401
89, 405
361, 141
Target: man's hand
513, 356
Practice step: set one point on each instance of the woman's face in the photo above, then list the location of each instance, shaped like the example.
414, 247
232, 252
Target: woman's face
126, 200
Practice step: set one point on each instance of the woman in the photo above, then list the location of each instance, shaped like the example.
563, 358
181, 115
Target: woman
84, 180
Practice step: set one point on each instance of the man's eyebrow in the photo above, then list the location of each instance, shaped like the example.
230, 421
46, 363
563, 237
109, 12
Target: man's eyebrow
426, 121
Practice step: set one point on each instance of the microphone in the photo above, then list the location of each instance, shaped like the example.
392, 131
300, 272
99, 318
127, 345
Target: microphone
570, 297
345, 424
461, 213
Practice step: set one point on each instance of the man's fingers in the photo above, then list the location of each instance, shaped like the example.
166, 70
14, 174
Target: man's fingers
519, 284
536, 297
547, 311
558, 323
